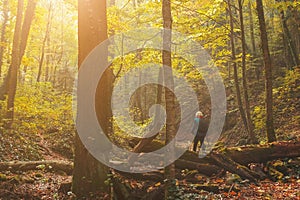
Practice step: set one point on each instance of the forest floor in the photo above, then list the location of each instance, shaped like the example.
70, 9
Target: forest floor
41, 184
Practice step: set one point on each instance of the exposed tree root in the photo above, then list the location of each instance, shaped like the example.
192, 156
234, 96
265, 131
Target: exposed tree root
53, 166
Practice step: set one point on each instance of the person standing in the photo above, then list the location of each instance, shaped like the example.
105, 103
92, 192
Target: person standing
200, 128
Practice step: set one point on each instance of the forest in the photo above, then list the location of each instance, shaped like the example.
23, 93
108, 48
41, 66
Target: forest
149, 99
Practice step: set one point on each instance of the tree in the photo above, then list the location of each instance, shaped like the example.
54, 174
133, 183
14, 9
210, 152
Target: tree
46, 37
18, 50
291, 47
252, 38
13, 69
89, 175
268, 72
244, 74
235, 68
22, 43
3, 32
169, 96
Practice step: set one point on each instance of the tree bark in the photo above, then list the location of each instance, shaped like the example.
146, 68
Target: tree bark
291, 48
169, 96
19, 46
251, 23
253, 45
268, 72
244, 73
48, 56
29, 14
14, 65
89, 175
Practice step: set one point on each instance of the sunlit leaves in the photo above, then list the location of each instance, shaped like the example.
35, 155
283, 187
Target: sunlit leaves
39, 108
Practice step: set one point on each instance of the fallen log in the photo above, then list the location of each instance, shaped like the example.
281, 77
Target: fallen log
205, 168
234, 158
262, 153
242, 154
58, 166
228, 164
49, 165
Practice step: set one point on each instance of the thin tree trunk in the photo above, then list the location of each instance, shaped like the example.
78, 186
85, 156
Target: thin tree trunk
235, 70
59, 62
14, 65
251, 23
257, 68
268, 72
290, 44
169, 97
29, 14
3, 32
244, 72
44, 43
89, 175
48, 58
19, 46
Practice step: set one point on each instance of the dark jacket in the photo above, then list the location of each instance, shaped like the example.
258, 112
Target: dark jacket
202, 127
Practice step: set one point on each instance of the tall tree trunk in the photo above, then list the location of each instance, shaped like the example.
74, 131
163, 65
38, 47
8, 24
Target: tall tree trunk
54, 78
14, 64
89, 175
294, 24
29, 14
47, 32
19, 46
235, 70
291, 48
244, 73
3, 32
169, 96
251, 23
48, 57
268, 72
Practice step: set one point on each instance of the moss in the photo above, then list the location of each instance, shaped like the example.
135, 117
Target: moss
3, 177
